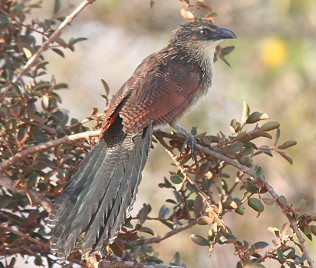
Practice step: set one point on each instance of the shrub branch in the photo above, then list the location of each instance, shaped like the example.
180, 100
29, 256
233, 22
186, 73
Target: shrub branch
46, 44
287, 211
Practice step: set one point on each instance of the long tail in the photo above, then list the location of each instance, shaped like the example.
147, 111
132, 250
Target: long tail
101, 193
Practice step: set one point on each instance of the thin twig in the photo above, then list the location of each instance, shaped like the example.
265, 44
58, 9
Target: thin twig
46, 44
45, 146
36, 197
158, 239
18, 233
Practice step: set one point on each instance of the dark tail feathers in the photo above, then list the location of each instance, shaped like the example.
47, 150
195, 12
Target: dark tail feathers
101, 193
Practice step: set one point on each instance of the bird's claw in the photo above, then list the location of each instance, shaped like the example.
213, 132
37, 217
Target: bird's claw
189, 139
192, 142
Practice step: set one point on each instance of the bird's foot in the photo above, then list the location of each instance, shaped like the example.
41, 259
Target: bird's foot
189, 139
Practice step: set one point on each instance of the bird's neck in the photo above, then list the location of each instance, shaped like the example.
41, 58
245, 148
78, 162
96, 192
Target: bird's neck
203, 55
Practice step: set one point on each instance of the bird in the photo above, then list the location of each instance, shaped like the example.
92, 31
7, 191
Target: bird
100, 195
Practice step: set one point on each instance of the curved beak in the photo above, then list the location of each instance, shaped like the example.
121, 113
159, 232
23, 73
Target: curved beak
226, 34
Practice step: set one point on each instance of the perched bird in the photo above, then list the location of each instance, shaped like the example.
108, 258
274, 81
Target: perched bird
100, 194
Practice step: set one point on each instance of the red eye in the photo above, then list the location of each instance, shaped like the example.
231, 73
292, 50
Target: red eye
204, 32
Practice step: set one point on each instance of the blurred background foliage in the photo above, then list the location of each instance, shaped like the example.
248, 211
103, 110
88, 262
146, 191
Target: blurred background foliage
273, 70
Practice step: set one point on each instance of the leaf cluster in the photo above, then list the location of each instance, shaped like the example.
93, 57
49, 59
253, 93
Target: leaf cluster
30, 115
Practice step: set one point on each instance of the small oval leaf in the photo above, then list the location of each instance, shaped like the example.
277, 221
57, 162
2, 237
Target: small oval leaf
270, 126
260, 245
176, 179
287, 144
255, 204
22, 135
256, 117
163, 212
240, 210
199, 240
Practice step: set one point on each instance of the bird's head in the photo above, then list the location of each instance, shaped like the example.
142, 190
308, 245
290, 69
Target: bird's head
200, 36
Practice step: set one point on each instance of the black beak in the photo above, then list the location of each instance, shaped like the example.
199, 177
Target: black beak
225, 34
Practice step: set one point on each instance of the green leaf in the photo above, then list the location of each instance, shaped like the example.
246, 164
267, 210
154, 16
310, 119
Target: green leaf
73, 41
266, 151
256, 117
176, 179
56, 6
246, 160
226, 50
60, 86
163, 212
235, 147
287, 144
260, 245
59, 52
243, 136
146, 230
41, 64
240, 210
106, 87
143, 213
250, 187
286, 157
61, 42
258, 172
277, 136
227, 239
280, 255
260, 133
270, 126
255, 204
176, 260
199, 240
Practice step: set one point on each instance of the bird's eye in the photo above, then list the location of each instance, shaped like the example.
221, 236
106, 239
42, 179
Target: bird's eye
204, 32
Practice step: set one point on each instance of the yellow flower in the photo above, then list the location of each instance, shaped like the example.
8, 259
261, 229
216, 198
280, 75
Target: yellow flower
273, 52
